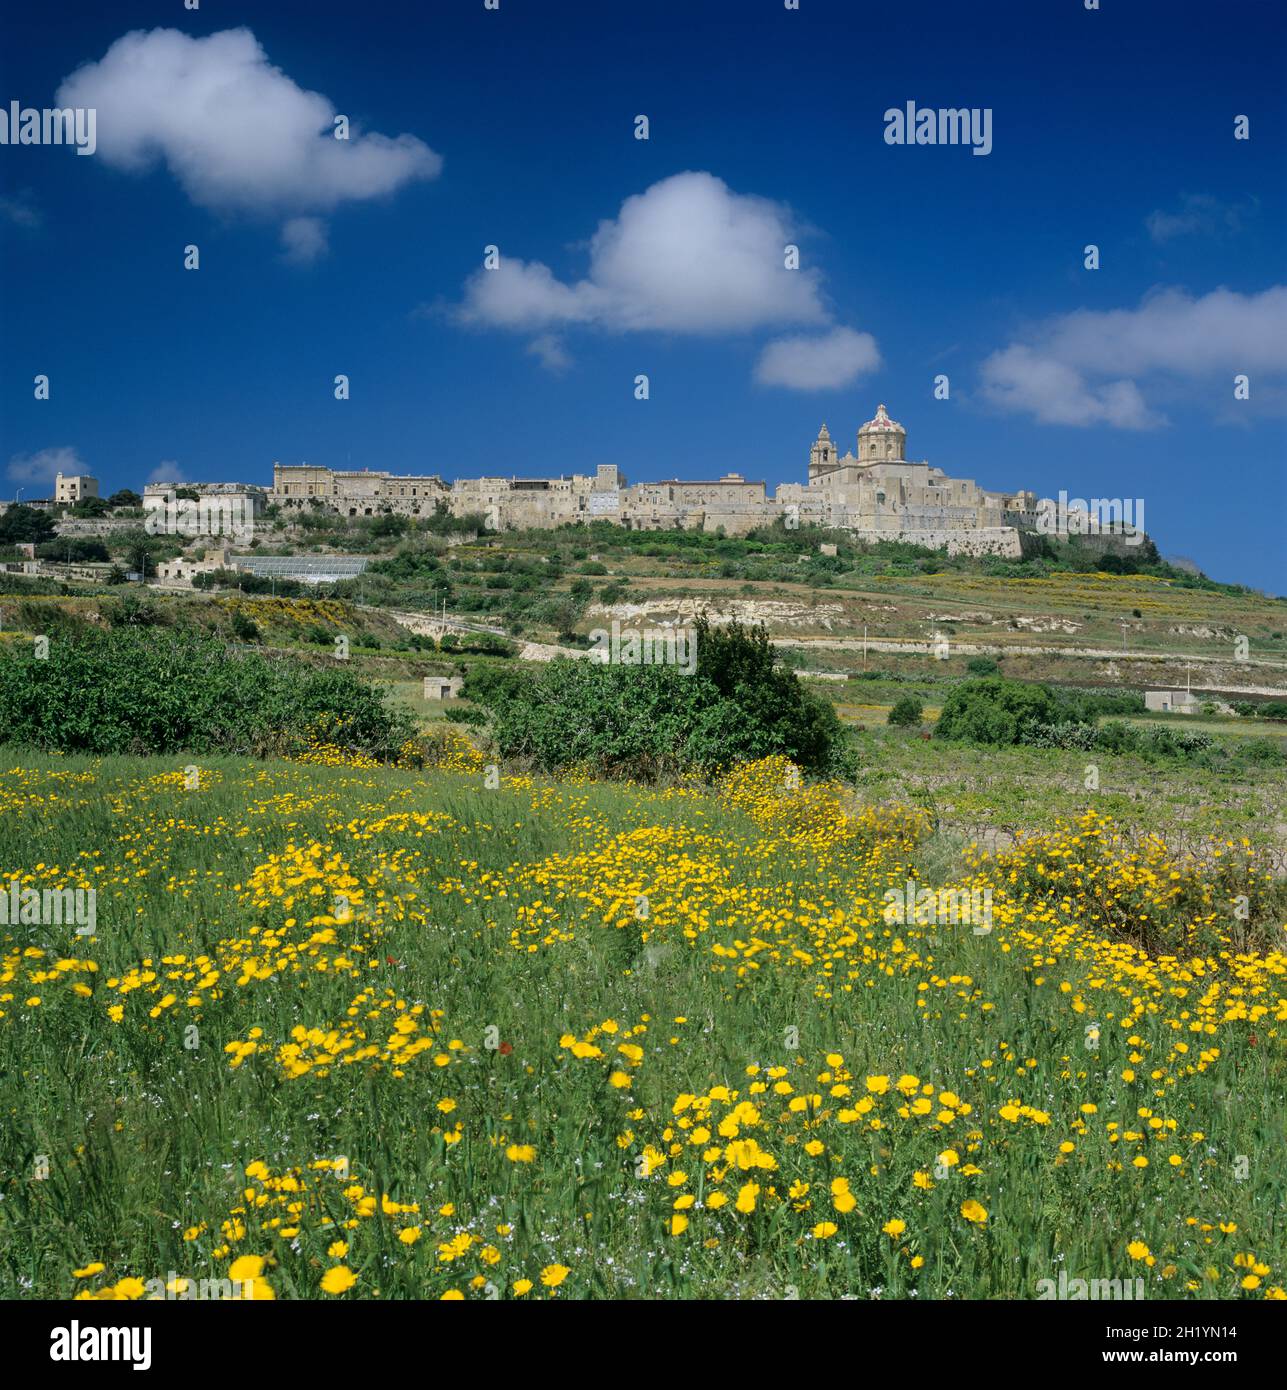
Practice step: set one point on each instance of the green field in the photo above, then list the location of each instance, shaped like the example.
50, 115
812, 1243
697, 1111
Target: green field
350, 1032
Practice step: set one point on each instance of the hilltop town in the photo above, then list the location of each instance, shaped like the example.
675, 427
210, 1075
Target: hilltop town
877, 493
872, 495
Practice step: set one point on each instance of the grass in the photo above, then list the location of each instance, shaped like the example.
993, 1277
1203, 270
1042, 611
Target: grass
479, 1037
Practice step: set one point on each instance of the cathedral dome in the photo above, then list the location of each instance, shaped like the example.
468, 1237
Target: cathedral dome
881, 440
881, 422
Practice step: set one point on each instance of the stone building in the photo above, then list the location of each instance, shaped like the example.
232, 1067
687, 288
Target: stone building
878, 493
74, 487
443, 687
881, 494
1172, 701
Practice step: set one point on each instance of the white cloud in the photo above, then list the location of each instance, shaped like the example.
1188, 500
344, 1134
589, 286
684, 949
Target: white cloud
167, 471
1198, 214
1021, 380
817, 363
1081, 368
551, 352
687, 255
304, 240
41, 467
235, 131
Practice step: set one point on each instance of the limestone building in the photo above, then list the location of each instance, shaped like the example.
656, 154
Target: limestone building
881, 494
878, 493
74, 487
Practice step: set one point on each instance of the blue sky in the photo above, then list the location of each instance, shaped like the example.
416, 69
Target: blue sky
516, 128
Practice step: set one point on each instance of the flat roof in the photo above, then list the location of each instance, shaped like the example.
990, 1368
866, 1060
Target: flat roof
699, 482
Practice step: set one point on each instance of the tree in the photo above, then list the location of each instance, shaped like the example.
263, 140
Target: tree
994, 710
125, 497
906, 712
72, 550
21, 525
139, 557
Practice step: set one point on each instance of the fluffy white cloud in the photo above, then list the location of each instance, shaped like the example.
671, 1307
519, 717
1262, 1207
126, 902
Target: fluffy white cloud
234, 130
304, 240
819, 363
1081, 368
41, 467
687, 255
1022, 380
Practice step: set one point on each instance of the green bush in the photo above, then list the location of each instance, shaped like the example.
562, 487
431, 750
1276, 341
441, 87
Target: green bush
1264, 709
982, 666
649, 721
492, 686
73, 551
132, 611
993, 710
148, 690
1064, 734
906, 712
470, 714
244, 627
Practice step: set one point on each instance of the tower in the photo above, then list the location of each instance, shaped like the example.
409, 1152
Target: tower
822, 456
882, 440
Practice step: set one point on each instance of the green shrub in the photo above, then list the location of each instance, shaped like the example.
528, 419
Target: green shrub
649, 721
141, 690
993, 710
493, 686
73, 551
982, 666
1263, 709
1064, 734
469, 714
1262, 750
244, 627
132, 611
906, 712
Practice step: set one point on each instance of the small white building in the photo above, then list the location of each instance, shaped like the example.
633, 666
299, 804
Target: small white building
443, 687
1171, 701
